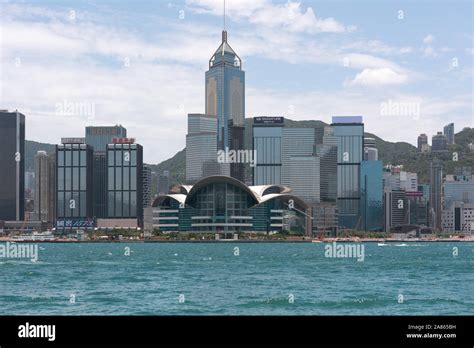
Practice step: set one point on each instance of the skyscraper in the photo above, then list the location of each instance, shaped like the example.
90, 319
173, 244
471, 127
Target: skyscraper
408, 181
201, 148
422, 139
439, 142
448, 130
436, 181
304, 178
327, 152
12, 165
296, 143
74, 185
237, 133
100, 137
371, 153
100, 185
457, 189
371, 192
396, 208
45, 187
146, 186
349, 131
124, 180
267, 143
164, 182
225, 91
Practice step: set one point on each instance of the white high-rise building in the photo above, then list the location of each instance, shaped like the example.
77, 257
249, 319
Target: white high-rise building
201, 148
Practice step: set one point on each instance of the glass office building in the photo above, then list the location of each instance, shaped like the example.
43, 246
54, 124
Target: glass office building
12, 167
201, 148
305, 178
436, 182
286, 156
74, 186
296, 142
267, 142
100, 185
327, 152
395, 209
349, 131
458, 191
371, 195
125, 181
100, 137
146, 187
225, 91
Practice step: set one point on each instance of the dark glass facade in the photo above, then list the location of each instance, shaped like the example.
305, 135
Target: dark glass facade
100, 137
74, 186
12, 168
371, 192
350, 151
267, 141
396, 209
125, 181
100, 185
436, 182
237, 170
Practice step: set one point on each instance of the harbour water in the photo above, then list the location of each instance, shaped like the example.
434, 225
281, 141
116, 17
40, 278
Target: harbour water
421, 278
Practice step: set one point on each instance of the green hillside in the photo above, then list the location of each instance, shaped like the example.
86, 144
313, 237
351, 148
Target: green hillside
31, 148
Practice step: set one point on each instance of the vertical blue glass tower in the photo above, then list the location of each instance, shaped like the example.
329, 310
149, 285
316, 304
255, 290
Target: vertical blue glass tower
371, 195
225, 91
349, 133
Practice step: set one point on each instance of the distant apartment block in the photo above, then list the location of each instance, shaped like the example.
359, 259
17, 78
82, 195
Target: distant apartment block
448, 131
45, 187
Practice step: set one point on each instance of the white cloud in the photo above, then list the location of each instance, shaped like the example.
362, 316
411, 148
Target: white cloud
428, 51
377, 77
83, 61
377, 47
290, 16
428, 39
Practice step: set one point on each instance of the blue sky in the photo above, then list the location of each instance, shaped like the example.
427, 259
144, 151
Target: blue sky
141, 64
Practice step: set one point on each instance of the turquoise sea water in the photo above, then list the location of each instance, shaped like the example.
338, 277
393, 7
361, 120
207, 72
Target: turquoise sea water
262, 280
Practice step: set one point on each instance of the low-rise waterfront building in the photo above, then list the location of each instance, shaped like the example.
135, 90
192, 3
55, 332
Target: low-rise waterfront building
224, 205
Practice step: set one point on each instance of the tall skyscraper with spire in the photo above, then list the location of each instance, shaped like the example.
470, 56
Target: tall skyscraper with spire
225, 92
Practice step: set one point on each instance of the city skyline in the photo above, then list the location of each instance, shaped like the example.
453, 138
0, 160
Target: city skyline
118, 73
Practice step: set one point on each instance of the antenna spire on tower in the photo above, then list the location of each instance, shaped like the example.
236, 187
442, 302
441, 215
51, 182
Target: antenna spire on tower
224, 16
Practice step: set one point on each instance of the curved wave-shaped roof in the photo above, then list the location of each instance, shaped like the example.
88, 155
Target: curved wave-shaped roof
272, 196
180, 198
181, 189
224, 179
261, 190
